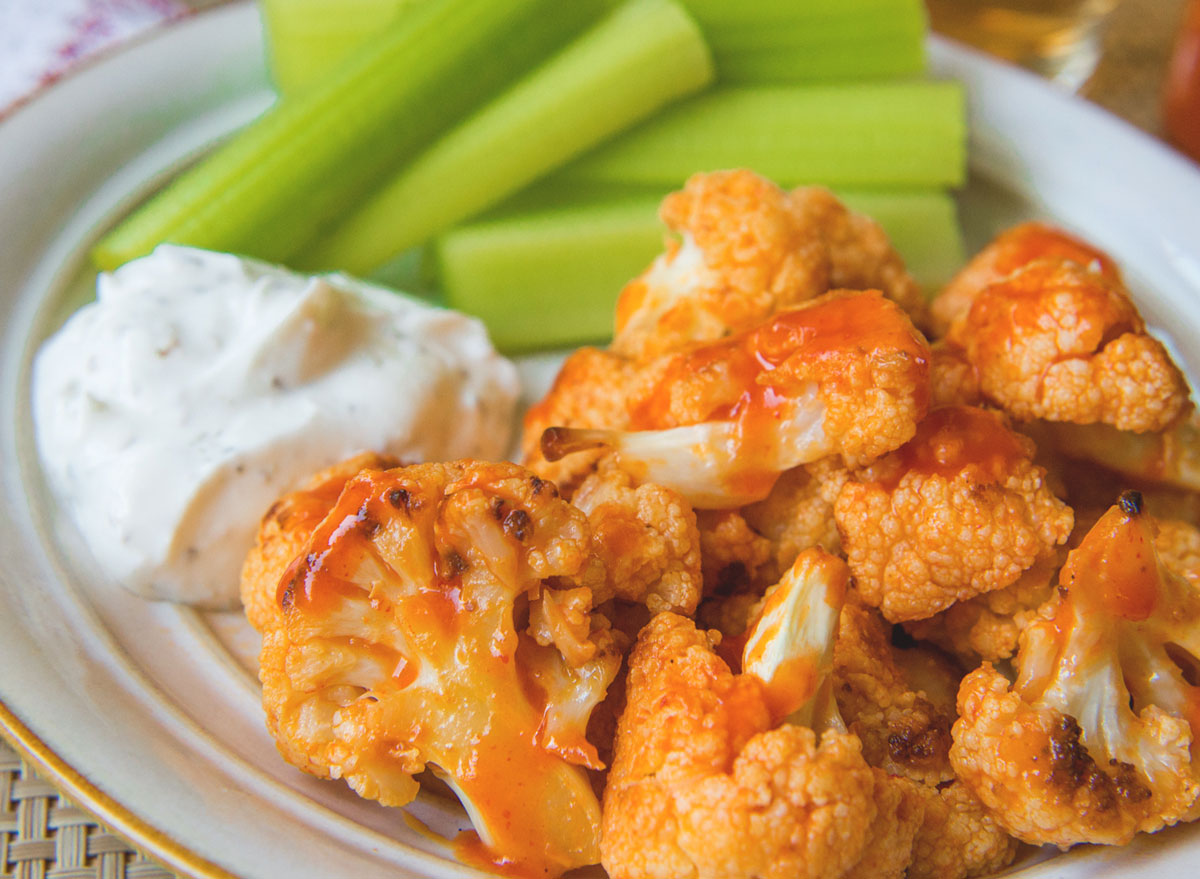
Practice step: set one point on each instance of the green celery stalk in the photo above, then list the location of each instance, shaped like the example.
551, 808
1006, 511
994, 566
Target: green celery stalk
645, 54
545, 270
753, 41
548, 279
856, 135
307, 39
292, 173
785, 41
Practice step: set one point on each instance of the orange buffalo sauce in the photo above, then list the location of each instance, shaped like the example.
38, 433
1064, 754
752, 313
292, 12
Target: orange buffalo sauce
1116, 566
510, 780
951, 439
792, 685
820, 339
1028, 242
480, 719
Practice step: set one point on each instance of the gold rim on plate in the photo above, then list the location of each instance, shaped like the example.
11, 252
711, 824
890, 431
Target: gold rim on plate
117, 817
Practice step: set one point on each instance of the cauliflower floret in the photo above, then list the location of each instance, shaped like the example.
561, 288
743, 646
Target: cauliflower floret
900, 703
845, 374
734, 558
286, 527
1178, 546
989, 625
953, 380
1010, 251
1093, 743
958, 838
647, 539
798, 513
902, 731
748, 249
591, 389
958, 511
737, 566
861, 256
1058, 341
399, 645
709, 778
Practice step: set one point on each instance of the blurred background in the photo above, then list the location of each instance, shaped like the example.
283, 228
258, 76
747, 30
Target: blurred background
1116, 53
1113, 52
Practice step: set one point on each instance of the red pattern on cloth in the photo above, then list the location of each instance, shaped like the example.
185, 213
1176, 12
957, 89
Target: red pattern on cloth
40, 40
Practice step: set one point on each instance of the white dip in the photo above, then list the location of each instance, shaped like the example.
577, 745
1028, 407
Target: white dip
171, 413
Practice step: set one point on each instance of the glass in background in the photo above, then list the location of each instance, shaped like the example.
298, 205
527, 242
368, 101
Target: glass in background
1059, 39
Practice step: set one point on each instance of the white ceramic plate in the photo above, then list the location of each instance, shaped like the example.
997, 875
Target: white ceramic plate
144, 711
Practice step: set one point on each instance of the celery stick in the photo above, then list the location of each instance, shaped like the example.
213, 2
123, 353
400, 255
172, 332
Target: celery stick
888, 134
307, 39
759, 41
545, 270
295, 170
549, 279
780, 41
642, 56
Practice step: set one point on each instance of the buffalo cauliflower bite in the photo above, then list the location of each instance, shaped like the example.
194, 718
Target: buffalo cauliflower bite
953, 380
1058, 341
902, 731
1093, 743
845, 374
737, 566
798, 513
400, 645
958, 511
286, 527
711, 780
1011, 251
747, 249
988, 626
646, 538
901, 704
958, 838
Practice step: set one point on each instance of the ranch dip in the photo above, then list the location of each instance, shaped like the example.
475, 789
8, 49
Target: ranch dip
199, 387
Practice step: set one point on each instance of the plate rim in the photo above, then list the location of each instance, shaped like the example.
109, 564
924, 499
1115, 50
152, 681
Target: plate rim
145, 834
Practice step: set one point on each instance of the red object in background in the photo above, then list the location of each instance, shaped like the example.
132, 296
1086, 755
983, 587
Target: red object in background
1181, 108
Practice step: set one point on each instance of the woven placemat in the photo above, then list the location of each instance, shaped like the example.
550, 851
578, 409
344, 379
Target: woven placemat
44, 836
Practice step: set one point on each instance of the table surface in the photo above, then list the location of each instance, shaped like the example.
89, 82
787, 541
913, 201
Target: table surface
41, 834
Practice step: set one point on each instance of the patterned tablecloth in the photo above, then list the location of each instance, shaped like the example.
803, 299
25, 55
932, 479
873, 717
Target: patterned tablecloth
41, 833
